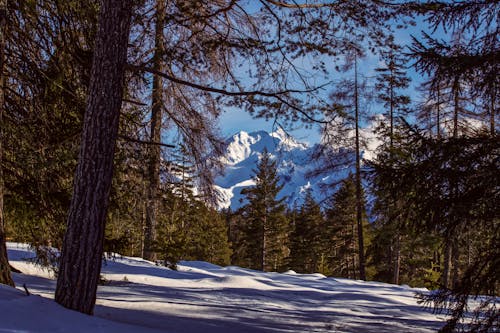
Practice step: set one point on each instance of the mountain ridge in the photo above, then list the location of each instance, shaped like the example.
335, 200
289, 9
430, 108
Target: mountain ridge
242, 153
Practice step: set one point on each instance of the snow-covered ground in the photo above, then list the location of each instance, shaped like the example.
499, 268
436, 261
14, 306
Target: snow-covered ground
201, 297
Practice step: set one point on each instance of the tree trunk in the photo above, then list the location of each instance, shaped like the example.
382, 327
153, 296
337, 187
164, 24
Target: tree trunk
391, 110
438, 114
447, 263
456, 107
5, 276
359, 200
155, 136
264, 240
80, 263
397, 258
455, 258
493, 111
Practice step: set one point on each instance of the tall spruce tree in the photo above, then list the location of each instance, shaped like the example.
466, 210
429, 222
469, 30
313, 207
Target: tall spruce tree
5, 276
155, 136
348, 98
306, 250
391, 79
341, 230
449, 186
264, 215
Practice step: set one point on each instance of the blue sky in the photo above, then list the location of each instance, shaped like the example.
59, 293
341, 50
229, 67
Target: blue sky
234, 120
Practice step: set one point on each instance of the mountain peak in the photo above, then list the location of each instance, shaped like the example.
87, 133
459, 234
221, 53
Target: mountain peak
243, 151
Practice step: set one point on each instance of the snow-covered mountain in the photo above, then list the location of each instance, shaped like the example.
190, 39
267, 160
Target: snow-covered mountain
243, 151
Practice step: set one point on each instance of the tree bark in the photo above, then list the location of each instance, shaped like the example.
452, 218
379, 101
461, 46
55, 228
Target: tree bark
445, 278
493, 110
438, 114
359, 200
5, 276
264, 240
81, 256
455, 259
456, 106
397, 258
155, 136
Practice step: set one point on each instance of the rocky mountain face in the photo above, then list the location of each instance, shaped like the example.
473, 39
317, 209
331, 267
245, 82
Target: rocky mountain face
294, 161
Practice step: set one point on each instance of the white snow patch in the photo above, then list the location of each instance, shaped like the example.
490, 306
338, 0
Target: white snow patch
206, 298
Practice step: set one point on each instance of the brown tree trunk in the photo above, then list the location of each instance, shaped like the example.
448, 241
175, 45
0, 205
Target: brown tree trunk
80, 263
445, 278
493, 111
359, 200
155, 136
455, 258
5, 276
438, 114
397, 258
264, 240
456, 107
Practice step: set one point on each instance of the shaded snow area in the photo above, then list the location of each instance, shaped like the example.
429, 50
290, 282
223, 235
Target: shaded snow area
200, 297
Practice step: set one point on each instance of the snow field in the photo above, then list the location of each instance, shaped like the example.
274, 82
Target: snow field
139, 296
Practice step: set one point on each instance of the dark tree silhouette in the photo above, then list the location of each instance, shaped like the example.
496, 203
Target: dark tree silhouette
80, 263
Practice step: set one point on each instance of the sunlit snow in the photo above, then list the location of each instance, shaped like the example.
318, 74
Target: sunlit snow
200, 297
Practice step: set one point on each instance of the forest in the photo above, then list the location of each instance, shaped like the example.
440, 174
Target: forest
110, 140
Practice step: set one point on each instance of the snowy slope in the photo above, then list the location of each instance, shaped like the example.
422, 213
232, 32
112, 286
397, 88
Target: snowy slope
201, 297
243, 151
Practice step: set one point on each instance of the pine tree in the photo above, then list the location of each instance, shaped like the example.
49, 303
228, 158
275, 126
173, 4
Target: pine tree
391, 78
306, 247
264, 215
42, 129
207, 236
449, 188
188, 228
347, 98
341, 231
155, 136
5, 277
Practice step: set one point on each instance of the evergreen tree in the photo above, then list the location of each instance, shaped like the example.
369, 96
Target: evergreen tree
155, 136
265, 231
419, 253
348, 97
391, 78
306, 251
5, 277
188, 228
207, 236
449, 186
42, 128
341, 231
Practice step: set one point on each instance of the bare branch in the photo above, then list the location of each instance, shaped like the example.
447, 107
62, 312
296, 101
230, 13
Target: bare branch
218, 90
129, 139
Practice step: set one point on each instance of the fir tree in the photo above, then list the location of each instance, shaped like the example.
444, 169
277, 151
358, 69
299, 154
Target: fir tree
341, 231
5, 276
306, 252
265, 233
449, 188
391, 78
